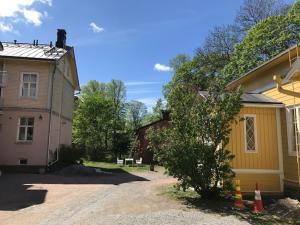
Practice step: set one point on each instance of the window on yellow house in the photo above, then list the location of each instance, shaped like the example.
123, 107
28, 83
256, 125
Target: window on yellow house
293, 129
250, 133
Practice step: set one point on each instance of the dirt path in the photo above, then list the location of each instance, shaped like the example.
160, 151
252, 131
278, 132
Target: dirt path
114, 199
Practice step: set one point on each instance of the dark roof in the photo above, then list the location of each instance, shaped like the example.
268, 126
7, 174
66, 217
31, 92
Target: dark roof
30, 51
251, 98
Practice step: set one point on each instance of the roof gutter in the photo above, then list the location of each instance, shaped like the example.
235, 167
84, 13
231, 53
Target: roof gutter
279, 86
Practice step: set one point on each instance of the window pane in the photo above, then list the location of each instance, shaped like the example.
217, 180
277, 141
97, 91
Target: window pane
25, 89
29, 133
250, 133
32, 90
23, 121
30, 121
26, 77
22, 133
33, 78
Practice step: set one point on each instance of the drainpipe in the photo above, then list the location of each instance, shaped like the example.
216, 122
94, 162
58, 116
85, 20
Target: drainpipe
60, 111
279, 83
50, 116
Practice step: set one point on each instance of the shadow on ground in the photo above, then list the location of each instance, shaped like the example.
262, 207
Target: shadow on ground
18, 191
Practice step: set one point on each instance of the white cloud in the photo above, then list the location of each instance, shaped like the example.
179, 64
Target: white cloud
95, 28
15, 11
5, 27
33, 16
162, 68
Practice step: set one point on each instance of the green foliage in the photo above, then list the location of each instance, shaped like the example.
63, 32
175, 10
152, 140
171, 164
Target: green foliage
136, 112
156, 113
93, 121
194, 148
264, 41
69, 155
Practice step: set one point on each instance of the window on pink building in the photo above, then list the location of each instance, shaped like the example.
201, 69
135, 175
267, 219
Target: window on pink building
25, 130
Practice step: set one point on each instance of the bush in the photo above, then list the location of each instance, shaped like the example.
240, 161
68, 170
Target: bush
70, 154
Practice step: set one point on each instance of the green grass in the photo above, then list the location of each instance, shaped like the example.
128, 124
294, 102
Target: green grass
113, 167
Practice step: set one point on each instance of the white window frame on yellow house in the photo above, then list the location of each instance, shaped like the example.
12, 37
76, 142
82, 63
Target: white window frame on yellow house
291, 129
255, 133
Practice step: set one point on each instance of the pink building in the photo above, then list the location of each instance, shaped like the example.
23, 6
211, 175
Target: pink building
37, 84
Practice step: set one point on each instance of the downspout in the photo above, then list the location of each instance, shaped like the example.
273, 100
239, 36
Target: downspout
50, 116
59, 133
280, 89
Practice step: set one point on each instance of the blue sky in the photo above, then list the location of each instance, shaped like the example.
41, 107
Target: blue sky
119, 39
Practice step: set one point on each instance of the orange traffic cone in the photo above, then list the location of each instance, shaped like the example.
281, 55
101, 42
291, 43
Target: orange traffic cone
258, 204
238, 203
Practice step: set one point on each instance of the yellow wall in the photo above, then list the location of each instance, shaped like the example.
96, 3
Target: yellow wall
267, 152
266, 182
289, 162
285, 99
11, 93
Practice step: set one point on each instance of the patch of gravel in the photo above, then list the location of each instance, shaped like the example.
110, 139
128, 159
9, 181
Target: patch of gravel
124, 199
169, 217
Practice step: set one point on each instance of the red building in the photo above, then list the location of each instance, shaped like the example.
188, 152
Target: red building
143, 150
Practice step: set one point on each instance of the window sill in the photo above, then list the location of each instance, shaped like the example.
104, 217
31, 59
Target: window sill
24, 142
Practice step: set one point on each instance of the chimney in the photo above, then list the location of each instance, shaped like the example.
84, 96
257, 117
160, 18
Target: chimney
165, 114
61, 38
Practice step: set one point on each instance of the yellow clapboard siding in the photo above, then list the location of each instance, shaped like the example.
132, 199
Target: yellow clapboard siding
288, 100
266, 182
289, 162
266, 156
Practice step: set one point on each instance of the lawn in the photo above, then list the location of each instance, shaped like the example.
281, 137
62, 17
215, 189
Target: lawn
273, 213
117, 168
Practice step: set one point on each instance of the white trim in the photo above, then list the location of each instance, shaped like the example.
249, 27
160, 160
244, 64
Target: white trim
263, 105
256, 171
290, 128
255, 133
26, 128
279, 143
21, 85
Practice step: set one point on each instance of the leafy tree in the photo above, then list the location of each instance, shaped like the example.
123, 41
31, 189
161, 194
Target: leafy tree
254, 11
264, 41
92, 87
92, 124
156, 113
177, 61
194, 149
136, 112
116, 91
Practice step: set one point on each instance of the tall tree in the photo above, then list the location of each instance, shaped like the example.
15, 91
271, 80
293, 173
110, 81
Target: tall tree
92, 123
116, 91
195, 150
156, 113
264, 41
136, 112
92, 87
177, 61
254, 11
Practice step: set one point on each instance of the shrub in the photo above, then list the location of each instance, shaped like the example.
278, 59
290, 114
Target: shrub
70, 154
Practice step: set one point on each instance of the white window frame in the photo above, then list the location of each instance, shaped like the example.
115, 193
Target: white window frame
255, 134
290, 130
21, 85
26, 130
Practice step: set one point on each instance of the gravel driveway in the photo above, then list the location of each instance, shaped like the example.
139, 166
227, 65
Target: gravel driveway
126, 199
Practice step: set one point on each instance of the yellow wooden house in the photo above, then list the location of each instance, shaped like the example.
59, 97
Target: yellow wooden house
266, 143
